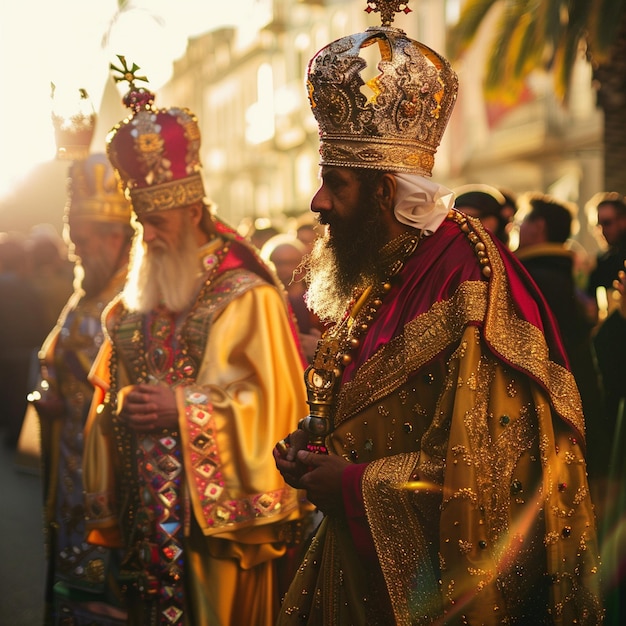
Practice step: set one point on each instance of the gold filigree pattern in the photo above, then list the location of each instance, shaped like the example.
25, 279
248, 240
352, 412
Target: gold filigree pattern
387, 9
176, 193
489, 304
94, 193
399, 127
423, 338
399, 539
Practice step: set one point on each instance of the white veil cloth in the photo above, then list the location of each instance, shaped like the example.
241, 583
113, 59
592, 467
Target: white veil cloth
421, 203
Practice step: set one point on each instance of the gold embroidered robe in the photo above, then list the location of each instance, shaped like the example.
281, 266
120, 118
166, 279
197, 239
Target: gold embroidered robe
467, 429
77, 572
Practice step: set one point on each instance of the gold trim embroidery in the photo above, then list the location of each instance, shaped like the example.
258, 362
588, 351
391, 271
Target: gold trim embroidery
488, 304
400, 543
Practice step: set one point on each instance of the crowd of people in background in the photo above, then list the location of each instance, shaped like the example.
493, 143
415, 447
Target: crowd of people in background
36, 278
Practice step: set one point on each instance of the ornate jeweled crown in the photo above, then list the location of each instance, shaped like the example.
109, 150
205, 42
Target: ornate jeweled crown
94, 192
399, 125
74, 122
156, 152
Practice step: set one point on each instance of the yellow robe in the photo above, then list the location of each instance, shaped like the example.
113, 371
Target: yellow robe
248, 392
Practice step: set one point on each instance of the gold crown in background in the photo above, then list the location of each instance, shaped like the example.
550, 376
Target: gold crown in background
94, 192
394, 121
74, 122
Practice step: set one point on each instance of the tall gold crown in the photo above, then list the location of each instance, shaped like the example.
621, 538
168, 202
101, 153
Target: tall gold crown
94, 192
399, 124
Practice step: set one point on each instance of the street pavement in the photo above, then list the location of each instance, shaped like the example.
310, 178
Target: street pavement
22, 561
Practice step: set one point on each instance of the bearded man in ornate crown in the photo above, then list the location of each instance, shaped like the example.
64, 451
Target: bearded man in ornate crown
445, 439
200, 371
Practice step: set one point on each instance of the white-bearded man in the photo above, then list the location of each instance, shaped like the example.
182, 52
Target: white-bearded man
201, 371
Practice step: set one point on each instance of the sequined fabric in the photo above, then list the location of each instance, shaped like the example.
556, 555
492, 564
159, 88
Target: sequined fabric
148, 348
201, 511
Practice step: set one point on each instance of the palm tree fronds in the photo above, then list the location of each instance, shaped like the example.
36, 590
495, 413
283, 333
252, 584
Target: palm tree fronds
504, 78
564, 61
528, 50
531, 34
551, 22
574, 31
464, 31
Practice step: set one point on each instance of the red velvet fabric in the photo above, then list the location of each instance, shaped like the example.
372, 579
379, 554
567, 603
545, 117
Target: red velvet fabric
355, 512
170, 139
439, 265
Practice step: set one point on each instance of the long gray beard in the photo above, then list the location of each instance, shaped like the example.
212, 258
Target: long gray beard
158, 276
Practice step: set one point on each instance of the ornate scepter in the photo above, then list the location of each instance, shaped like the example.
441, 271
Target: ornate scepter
322, 377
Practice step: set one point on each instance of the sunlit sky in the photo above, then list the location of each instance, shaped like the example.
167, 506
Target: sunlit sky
61, 42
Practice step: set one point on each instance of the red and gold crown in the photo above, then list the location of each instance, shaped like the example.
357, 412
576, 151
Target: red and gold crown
155, 152
94, 192
399, 126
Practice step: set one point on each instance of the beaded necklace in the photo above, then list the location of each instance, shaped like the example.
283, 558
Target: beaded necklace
130, 337
334, 350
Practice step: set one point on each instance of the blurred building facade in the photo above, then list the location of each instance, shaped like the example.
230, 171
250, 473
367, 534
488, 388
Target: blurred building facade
260, 142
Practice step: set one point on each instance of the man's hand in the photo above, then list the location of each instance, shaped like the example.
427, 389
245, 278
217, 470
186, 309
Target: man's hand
318, 474
285, 452
150, 407
322, 481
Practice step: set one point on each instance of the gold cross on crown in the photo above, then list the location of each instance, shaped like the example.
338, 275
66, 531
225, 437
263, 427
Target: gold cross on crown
387, 9
129, 74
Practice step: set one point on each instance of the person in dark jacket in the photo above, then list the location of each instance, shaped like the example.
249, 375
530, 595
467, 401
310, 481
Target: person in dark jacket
610, 209
544, 231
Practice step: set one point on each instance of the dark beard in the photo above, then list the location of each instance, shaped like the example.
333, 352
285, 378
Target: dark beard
345, 258
97, 274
